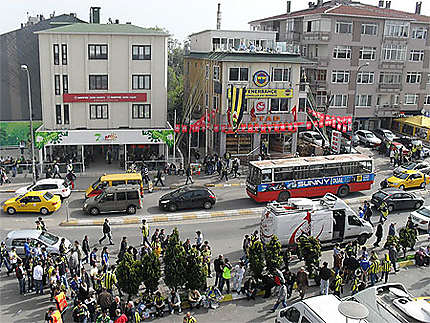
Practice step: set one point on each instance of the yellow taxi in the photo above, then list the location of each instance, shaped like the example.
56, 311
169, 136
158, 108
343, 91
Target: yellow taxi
35, 201
408, 179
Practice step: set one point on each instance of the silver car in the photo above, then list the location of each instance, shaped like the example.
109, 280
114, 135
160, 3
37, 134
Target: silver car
48, 240
422, 166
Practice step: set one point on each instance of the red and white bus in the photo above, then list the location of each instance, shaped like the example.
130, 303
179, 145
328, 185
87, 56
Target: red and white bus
280, 179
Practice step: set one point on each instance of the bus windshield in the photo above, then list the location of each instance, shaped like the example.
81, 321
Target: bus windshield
254, 176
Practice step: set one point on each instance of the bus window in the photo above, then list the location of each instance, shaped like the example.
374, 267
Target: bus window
347, 169
266, 176
300, 172
332, 170
365, 166
254, 176
284, 174
315, 171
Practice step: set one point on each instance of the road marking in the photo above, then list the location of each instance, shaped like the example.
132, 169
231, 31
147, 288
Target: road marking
189, 216
216, 214
160, 218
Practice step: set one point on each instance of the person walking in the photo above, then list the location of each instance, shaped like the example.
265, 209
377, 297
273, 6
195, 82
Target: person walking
145, 232
383, 209
325, 275
70, 176
386, 267
338, 283
224, 172
218, 267
107, 232
199, 239
392, 229
86, 249
282, 298
188, 172
368, 213
56, 170
392, 253
159, 177
378, 234
302, 282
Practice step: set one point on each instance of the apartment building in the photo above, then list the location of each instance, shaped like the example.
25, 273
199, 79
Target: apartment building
104, 90
268, 70
372, 62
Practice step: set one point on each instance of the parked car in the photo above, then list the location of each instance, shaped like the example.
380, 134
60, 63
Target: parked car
54, 186
384, 134
396, 199
187, 198
406, 141
421, 218
407, 179
48, 240
422, 166
313, 137
115, 199
398, 146
38, 201
368, 138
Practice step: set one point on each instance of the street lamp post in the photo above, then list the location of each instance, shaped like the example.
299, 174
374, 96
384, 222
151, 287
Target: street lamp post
33, 164
355, 104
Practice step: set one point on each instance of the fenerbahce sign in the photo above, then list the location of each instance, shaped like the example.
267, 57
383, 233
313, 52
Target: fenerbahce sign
266, 93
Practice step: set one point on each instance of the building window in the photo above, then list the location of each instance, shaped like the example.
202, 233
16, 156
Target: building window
313, 25
321, 75
342, 52
321, 98
215, 102
65, 84
281, 75
64, 54
207, 100
57, 84
216, 73
368, 53
413, 77
141, 111
390, 78
343, 27
427, 100
98, 82
141, 52
365, 77
340, 77
416, 55
419, 33
66, 114
56, 49
97, 51
396, 29
339, 100
238, 74
207, 71
369, 29
363, 100
392, 52
428, 78
411, 99
141, 82
396, 99
58, 113
279, 105
99, 111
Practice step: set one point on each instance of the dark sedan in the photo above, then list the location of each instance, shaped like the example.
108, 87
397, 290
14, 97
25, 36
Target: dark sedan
187, 197
396, 199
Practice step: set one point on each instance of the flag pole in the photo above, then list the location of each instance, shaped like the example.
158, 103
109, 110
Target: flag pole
174, 138
206, 131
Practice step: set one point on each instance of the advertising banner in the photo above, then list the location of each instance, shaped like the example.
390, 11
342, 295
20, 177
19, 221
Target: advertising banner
104, 97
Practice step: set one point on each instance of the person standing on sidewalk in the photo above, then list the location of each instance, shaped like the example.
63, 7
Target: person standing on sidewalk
386, 268
86, 249
107, 232
302, 282
325, 275
378, 234
224, 172
282, 298
188, 173
56, 170
226, 276
159, 177
392, 253
218, 267
145, 232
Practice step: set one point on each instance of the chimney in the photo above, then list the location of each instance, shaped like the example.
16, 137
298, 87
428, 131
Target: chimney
218, 17
381, 4
311, 4
117, 21
319, 3
288, 6
388, 4
418, 8
94, 15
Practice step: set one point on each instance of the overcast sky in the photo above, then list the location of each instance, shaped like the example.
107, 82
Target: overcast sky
181, 18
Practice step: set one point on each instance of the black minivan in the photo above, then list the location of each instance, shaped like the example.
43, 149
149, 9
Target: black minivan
187, 197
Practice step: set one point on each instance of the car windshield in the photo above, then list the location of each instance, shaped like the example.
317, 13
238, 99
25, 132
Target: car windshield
48, 238
317, 136
29, 188
402, 176
100, 196
369, 135
410, 165
380, 194
48, 196
96, 183
179, 191
424, 211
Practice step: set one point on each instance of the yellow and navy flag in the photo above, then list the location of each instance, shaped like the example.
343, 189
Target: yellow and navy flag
237, 105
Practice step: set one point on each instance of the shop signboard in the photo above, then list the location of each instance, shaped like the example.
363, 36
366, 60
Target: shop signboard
266, 93
103, 97
261, 107
336, 140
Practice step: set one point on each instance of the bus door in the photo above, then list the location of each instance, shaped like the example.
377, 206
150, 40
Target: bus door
338, 224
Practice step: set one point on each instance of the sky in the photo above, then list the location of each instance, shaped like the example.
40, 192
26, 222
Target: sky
180, 18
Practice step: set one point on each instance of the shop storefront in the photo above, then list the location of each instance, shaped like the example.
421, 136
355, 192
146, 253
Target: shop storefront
415, 126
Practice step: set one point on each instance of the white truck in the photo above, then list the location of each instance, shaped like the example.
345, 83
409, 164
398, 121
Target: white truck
329, 219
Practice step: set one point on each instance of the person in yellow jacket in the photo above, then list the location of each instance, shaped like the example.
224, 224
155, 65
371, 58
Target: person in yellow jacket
386, 268
156, 246
145, 232
338, 283
188, 318
226, 276
53, 316
373, 271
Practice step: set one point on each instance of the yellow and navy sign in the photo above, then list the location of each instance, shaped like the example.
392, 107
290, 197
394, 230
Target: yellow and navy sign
266, 93
261, 78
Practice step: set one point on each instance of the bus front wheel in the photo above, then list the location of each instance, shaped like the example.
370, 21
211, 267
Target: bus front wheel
343, 191
283, 196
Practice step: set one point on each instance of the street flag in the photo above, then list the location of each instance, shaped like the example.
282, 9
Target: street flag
294, 113
237, 103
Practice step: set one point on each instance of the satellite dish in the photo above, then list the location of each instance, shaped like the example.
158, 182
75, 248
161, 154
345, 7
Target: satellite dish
353, 310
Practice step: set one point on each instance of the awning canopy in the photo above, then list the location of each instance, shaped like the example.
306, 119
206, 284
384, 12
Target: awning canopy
416, 121
103, 137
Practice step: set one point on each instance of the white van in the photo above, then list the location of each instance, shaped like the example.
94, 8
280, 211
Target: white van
329, 219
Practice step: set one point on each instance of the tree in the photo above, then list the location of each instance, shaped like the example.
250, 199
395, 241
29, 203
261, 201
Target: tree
273, 254
175, 262
175, 79
129, 275
407, 239
310, 249
196, 272
256, 259
392, 241
150, 267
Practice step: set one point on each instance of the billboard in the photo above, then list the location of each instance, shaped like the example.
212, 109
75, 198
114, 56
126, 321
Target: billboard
103, 97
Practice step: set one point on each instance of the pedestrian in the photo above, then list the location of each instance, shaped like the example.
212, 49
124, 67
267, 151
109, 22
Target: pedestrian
325, 275
70, 176
218, 267
86, 249
199, 239
392, 253
122, 249
159, 177
105, 259
224, 172
282, 298
42, 224
368, 213
56, 170
290, 279
145, 232
206, 254
383, 209
378, 234
21, 276
226, 276
392, 229
302, 282
174, 302
37, 277
386, 267
392, 157
188, 318
373, 271
238, 274
106, 232
250, 288
188, 172
235, 167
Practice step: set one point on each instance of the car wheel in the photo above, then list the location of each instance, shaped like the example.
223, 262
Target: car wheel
283, 196
44, 211
402, 187
418, 205
94, 211
11, 210
131, 209
423, 185
207, 205
343, 191
172, 207
390, 208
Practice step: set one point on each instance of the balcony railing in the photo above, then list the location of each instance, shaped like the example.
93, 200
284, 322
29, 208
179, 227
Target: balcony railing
391, 64
317, 35
383, 87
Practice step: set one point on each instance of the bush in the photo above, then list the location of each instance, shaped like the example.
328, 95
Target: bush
407, 239
175, 262
129, 275
151, 271
196, 272
273, 254
256, 259
310, 250
392, 241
